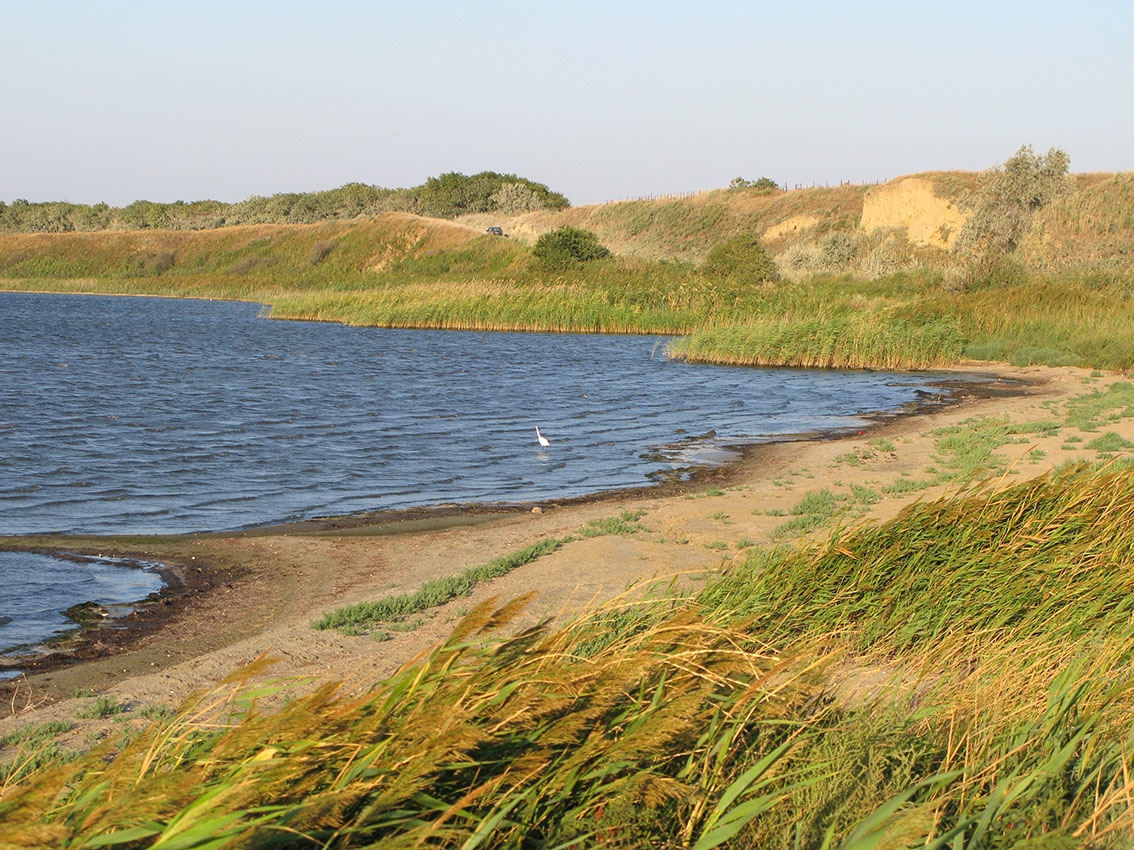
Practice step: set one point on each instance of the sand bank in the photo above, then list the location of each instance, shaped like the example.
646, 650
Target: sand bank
247, 593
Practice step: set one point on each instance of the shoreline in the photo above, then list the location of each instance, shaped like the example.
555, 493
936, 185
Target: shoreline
192, 581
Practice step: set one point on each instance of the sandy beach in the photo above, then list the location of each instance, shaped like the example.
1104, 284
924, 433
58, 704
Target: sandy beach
238, 596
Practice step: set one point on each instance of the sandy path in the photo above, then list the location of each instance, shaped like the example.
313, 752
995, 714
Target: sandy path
267, 588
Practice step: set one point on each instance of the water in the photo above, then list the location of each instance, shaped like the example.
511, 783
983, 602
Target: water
48, 586
145, 416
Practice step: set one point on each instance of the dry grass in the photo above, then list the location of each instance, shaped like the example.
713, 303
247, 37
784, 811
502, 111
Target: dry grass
958, 678
1089, 229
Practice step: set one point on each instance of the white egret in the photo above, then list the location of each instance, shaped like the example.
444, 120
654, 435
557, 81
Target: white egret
543, 441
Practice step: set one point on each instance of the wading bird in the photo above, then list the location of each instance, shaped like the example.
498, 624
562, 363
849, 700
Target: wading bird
543, 441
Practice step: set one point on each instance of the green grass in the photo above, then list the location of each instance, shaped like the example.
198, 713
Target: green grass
358, 618
398, 272
392, 611
103, 706
997, 562
1110, 442
625, 523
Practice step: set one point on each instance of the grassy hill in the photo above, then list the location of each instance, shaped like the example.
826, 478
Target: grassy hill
872, 276
1091, 228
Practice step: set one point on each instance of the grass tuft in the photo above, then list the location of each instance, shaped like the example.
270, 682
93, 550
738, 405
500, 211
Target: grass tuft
360, 617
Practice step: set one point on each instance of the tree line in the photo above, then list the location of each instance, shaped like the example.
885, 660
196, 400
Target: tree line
445, 196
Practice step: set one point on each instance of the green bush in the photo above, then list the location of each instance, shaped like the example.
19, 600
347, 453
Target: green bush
741, 257
1006, 202
451, 194
1110, 442
566, 247
762, 184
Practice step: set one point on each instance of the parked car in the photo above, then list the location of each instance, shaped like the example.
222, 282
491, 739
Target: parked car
496, 231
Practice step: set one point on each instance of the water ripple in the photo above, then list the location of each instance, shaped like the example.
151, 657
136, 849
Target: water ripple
174, 416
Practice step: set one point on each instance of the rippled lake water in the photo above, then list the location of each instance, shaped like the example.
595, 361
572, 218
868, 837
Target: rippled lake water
144, 415
48, 586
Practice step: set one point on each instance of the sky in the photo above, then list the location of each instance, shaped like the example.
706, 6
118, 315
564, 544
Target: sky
169, 100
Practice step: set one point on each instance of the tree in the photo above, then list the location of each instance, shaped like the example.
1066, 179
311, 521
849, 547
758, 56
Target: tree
141, 215
452, 194
515, 198
1007, 199
742, 257
763, 184
567, 246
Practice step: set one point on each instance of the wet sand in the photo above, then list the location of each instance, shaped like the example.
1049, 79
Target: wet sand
234, 596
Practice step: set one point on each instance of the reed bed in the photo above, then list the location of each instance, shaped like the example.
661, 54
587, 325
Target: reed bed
845, 342
957, 678
402, 271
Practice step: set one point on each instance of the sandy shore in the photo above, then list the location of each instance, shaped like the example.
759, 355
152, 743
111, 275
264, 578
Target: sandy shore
257, 592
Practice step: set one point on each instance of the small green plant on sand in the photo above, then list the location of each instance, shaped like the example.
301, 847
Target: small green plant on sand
810, 512
1110, 442
625, 523
103, 706
865, 495
856, 457
358, 618
1089, 411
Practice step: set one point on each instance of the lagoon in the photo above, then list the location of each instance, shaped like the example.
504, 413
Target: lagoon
157, 416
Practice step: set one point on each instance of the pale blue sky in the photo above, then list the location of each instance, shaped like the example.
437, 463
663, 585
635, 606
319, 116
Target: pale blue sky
117, 101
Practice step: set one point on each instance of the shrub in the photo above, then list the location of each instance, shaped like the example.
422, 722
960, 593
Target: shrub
568, 246
319, 251
150, 263
839, 251
251, 264
451, 194
514, 198
741, 257
1007, 200
763, 184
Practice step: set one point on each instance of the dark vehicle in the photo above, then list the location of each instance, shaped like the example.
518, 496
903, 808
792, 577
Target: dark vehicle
496, 231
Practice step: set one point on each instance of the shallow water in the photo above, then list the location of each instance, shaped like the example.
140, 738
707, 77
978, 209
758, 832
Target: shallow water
37, 588
143, 415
